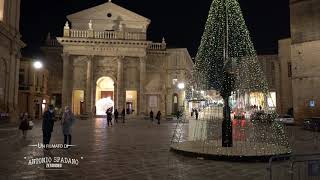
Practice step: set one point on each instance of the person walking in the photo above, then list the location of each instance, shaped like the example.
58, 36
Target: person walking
151, 115
109, 117
178, 114
197, 114
116, 115
123, 114
67, 122
24, 124
158, 117
47, 124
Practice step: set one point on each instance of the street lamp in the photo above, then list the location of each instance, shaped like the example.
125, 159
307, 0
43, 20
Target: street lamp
181, 86
37, 65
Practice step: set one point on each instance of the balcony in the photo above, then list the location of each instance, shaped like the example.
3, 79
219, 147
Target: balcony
108, 35
157, 47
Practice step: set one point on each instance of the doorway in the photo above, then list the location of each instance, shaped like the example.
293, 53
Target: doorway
77, 100
104, 95
131, 102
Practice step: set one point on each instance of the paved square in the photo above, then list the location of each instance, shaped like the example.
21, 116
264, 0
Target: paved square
136, 150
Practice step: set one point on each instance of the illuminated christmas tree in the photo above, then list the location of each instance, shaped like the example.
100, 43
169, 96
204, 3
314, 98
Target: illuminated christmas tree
226, 59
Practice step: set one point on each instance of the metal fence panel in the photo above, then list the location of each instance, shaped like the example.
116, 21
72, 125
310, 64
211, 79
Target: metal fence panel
294, 167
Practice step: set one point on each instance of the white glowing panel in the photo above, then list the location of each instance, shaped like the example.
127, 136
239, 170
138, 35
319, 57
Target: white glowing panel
103, 105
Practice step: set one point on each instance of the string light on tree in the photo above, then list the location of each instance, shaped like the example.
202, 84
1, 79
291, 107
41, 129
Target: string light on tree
226, 60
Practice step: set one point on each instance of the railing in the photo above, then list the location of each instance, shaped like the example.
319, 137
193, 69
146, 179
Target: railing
157, 46
294, 167
108, 35
113, 35
78, 33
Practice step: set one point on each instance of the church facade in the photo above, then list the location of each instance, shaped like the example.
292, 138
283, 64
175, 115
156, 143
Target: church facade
108, 60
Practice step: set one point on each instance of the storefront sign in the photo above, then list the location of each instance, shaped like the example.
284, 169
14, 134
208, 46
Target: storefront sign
312, 103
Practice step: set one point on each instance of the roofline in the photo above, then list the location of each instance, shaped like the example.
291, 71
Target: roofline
146, 19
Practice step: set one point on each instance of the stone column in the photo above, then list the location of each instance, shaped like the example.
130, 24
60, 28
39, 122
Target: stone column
89, 93
163, 90
142, 102
16, 89
120, 85
67, 80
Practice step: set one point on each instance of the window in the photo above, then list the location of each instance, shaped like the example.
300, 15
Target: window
21, 79
21, 76
1, 9
289, 69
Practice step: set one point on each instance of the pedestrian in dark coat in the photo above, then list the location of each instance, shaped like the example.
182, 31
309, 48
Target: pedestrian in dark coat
178, 114
158, 117
47, 124
197, 114
151, 115
123, 114
67, 122
109, 117
24, 124
116, 115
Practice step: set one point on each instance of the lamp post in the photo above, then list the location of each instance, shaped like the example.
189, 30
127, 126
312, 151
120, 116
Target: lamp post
37, 65
181, 86
227, 86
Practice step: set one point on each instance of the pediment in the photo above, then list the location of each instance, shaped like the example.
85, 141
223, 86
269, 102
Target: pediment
103, 12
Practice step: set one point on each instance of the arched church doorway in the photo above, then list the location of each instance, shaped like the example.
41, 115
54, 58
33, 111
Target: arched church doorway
104, 95
175, 104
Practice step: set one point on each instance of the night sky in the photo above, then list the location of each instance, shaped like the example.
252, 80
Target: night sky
181, 22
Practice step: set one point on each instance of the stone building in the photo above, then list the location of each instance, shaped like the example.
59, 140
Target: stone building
52, 60
33, 89
269, 64
107, 58
10, 45
299, 58
285, 77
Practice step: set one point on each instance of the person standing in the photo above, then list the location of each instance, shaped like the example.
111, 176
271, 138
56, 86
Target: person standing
67, 122
24, 124
47, 124
116, 115
151, 115
158, 117
197, 114
123, 114
109, 117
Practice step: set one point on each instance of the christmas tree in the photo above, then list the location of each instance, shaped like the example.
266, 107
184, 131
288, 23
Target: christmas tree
226, 60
